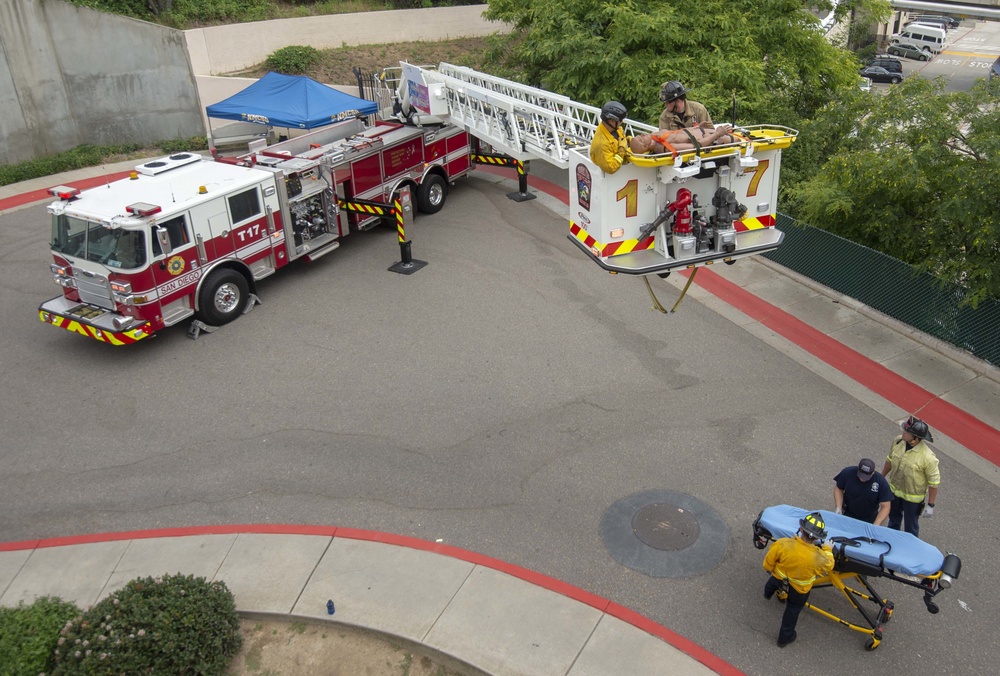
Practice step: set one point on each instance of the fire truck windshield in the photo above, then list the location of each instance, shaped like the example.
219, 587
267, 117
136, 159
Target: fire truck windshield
114, 247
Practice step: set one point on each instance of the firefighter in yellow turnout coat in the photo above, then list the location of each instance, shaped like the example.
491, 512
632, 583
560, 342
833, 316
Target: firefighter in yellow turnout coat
610, 147
799, 560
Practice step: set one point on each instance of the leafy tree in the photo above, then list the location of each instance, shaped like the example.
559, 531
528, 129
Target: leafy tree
766, 52
914, 173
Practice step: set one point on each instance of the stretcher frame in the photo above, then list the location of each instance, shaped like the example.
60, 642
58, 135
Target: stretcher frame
847, 570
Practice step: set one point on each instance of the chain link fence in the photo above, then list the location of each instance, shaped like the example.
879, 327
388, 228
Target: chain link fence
891, 287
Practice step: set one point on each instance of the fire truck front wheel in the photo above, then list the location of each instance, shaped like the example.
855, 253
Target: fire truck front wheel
432, 194
222, 297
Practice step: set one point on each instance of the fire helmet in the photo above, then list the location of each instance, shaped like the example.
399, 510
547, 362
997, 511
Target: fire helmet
813, 526
917, 428
671, 91
613, 110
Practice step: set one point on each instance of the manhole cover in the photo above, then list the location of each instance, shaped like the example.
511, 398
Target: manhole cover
665, 527
664, 534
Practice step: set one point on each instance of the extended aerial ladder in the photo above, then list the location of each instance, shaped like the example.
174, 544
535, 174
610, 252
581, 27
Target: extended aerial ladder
658, 213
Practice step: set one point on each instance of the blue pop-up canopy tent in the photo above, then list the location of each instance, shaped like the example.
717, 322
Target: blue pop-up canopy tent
292, 101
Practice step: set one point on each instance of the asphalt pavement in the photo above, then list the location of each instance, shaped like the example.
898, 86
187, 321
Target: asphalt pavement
478, 422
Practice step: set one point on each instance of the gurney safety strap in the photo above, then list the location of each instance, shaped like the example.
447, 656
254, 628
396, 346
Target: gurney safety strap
856, 541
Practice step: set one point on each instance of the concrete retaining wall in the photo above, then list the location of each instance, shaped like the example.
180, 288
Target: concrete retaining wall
71, 75
226, 49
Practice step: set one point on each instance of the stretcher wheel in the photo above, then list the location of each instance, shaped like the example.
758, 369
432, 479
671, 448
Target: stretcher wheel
872, 644
932, 608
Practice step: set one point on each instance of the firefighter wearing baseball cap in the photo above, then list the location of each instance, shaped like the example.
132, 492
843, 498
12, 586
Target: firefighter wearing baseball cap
797, 562
912, 470
862, 493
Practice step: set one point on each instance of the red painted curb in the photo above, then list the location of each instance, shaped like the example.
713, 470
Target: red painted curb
547, 187
686, 646
964, 428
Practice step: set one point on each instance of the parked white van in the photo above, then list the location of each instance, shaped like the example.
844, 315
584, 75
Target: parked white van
926, 37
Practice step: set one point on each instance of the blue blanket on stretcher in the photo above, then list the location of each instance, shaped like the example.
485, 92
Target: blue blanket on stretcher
893, 550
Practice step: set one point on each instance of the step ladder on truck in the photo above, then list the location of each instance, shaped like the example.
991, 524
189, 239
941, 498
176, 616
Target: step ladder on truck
658, 213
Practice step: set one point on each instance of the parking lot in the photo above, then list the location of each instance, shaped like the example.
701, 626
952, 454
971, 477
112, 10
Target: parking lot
971, 51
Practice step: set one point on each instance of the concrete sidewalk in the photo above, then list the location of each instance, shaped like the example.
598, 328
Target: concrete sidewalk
496, 617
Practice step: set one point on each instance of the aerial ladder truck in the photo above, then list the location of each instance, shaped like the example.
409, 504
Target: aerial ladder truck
186, 236
658, 213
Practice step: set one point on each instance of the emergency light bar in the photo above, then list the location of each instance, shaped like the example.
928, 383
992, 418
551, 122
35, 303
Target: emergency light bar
143, 209
64, 192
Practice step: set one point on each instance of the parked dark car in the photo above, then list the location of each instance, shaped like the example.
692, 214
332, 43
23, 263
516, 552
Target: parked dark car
880, 74
909, 51
890, 63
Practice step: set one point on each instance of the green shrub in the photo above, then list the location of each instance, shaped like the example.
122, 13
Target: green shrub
175, 624
192, 13
91, 156
183, 144
28, 634
292, 60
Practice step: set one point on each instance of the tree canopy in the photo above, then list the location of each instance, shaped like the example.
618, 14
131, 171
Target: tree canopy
914, 173
769, 53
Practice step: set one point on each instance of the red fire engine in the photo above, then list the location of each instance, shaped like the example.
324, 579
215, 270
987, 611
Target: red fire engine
188, 236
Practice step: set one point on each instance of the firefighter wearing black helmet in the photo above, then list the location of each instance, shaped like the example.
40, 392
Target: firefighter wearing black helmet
796, 563
912, 470
678, 112
610, 148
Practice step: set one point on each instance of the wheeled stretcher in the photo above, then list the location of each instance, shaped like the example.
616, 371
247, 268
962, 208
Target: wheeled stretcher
862, 551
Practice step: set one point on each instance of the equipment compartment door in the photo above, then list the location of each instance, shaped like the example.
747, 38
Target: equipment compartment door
757, 189
402, 158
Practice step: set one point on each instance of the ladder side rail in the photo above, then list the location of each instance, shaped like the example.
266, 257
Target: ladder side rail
498, 84
557, 103
522, 121
490, 122
581, 119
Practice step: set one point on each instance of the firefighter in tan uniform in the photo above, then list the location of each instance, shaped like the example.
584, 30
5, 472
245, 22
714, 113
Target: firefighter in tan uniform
678, 112
912, 470
797, 561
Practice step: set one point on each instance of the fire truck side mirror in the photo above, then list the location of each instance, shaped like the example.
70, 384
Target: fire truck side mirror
164, 238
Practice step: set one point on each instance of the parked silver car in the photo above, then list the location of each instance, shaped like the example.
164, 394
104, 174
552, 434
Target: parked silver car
909, 51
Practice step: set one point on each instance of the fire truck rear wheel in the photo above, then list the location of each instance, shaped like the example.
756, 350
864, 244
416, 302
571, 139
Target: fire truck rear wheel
432, 194
223, 297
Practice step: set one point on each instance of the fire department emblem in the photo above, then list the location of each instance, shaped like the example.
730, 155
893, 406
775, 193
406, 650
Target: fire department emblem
583, 185
175, 265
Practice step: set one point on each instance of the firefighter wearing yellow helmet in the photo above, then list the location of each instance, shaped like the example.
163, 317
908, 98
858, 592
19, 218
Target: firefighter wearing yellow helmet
794, 564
